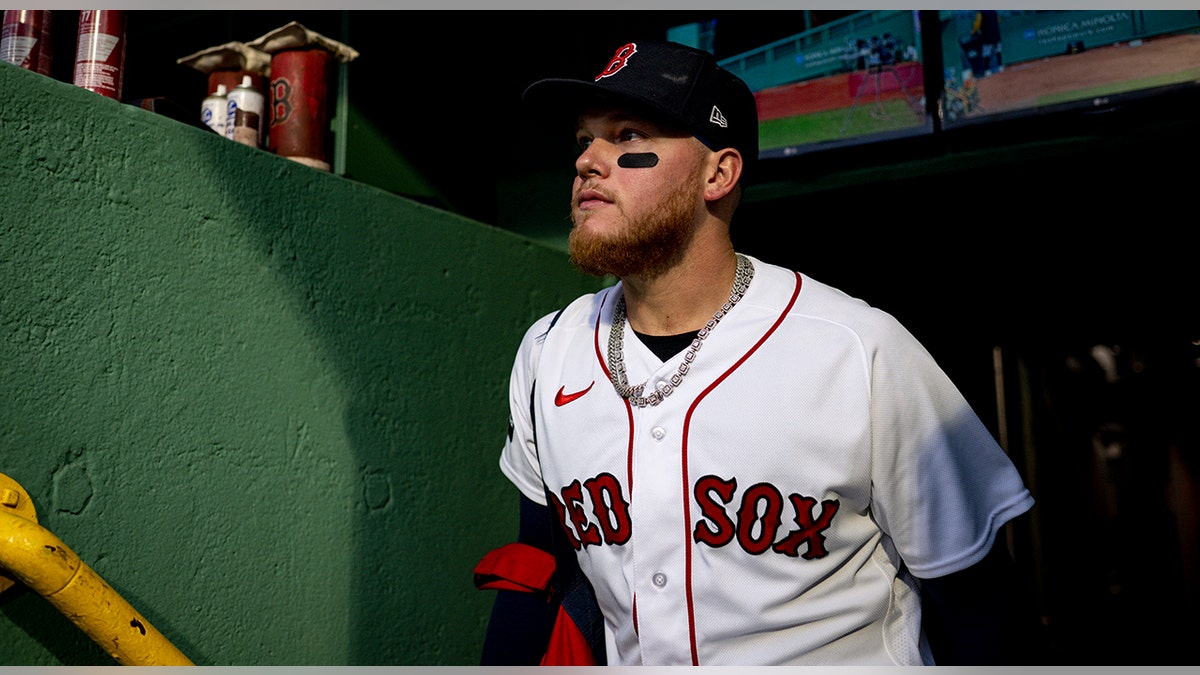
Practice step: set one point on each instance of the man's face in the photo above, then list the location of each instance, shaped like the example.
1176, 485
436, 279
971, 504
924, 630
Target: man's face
638, 193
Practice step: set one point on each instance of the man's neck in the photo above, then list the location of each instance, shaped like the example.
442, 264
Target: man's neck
685, 297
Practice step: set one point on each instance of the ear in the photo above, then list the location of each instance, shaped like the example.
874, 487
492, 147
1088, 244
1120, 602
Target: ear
724, 170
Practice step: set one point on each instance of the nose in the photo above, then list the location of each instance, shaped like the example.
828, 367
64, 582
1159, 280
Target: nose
594, 160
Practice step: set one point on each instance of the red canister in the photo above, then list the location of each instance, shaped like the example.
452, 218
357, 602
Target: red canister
300, 105
25, 39
100, 51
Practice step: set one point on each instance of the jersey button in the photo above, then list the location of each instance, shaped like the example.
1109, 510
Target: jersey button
658, 433
659, 579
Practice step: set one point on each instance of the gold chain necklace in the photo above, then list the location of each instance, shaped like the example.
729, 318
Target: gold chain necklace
616, 343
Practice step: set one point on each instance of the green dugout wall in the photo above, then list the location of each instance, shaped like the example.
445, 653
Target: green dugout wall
265, 403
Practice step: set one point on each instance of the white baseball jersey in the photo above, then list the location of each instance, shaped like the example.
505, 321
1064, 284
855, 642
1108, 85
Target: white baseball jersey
771, 509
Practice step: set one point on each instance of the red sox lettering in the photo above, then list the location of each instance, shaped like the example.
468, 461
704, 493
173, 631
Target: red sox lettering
771, 499
755, 524
609, 507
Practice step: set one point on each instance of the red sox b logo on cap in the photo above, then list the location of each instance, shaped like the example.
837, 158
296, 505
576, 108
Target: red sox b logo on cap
619, 60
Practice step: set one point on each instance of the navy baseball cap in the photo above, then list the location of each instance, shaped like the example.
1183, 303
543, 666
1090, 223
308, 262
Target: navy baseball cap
675, 83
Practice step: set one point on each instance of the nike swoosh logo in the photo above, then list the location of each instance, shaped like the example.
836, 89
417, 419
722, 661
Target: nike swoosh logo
561, 398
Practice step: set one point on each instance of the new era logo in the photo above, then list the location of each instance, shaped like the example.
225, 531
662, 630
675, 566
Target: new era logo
717, 118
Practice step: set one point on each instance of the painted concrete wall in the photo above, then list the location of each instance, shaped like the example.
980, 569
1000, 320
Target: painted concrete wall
263, 402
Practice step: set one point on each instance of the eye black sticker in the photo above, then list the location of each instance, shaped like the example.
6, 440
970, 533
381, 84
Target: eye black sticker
637, 160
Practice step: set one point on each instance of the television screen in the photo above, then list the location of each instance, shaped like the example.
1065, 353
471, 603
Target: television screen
1007, 64
854, 80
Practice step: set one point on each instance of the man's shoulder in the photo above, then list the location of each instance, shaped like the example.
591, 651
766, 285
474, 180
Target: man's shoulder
815, 300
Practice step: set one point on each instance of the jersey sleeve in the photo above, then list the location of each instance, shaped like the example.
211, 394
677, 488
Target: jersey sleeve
941, 485
518, 458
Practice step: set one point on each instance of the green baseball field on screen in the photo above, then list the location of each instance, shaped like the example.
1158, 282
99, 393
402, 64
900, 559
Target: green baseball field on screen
832, 125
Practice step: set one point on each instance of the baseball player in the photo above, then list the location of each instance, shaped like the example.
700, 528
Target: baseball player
748, 466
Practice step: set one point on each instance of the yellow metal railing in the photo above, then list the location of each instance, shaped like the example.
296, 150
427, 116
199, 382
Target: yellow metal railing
32, 555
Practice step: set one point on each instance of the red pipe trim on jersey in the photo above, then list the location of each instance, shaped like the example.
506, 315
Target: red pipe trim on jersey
629, 414
687, 511
628, 405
